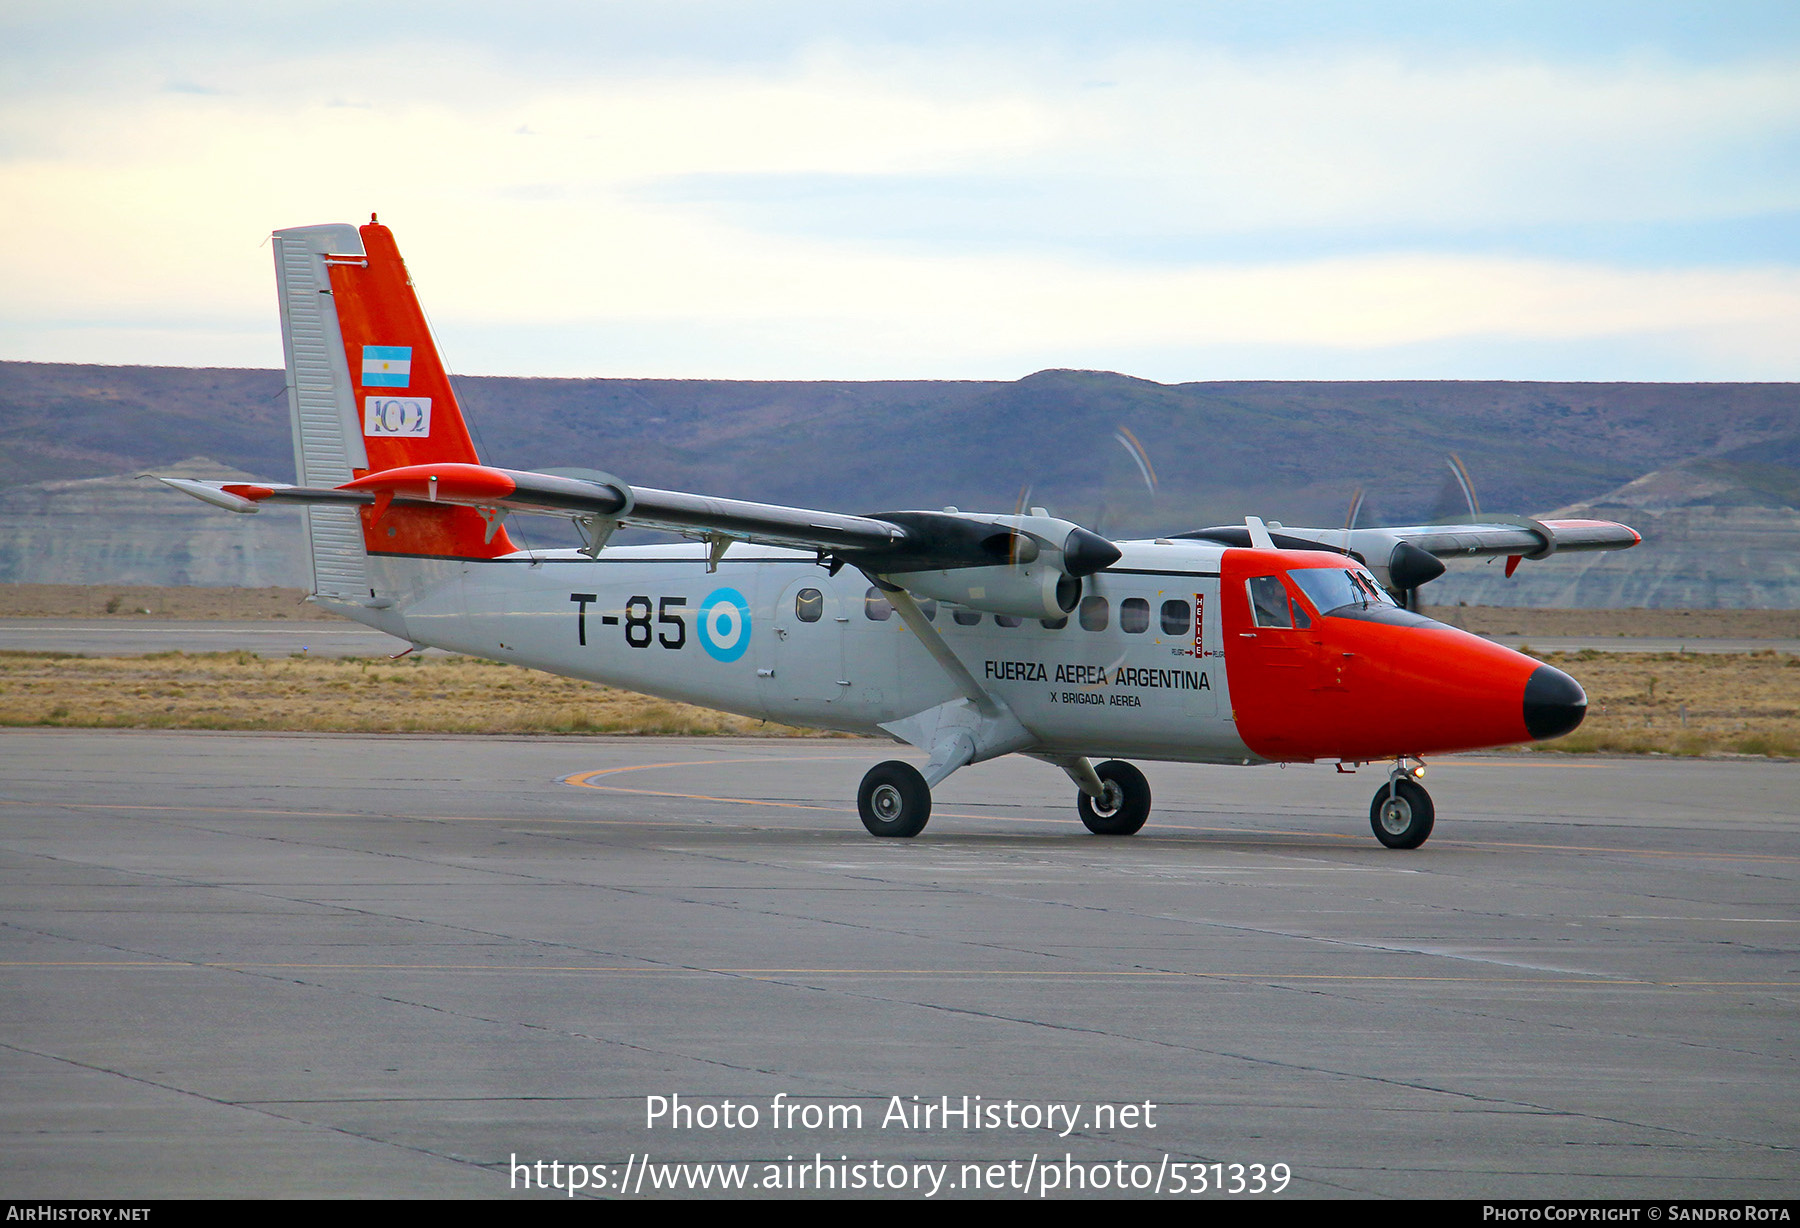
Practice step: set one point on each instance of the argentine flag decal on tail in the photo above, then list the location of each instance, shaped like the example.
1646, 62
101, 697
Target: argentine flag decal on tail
386, 366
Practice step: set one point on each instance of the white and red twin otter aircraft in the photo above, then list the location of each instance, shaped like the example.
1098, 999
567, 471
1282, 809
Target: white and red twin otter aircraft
967, 635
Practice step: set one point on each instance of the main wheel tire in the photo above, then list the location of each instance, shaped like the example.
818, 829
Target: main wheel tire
1404, 820
894, 800
1127, 803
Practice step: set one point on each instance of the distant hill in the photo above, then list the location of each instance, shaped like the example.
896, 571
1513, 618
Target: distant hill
124, 530
1290, 451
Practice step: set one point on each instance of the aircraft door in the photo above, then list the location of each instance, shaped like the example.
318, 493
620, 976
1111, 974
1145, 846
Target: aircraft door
1284, 634
803, 655
1272, 655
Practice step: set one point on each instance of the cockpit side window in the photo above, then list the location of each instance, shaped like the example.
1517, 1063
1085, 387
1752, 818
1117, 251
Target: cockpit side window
1269, 601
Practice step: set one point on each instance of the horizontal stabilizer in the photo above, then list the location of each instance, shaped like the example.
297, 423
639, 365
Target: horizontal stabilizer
214, 493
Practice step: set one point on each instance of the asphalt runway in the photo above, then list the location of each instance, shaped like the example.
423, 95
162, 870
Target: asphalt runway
273, 965
101, 637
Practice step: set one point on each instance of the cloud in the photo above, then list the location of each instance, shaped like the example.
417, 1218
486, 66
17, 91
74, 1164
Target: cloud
861, 315
879, 209
1203, 144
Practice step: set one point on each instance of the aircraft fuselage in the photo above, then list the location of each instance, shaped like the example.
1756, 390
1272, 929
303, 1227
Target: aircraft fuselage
1159, 660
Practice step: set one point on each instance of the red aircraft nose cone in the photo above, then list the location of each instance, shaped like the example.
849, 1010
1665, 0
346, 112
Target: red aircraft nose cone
1554, 703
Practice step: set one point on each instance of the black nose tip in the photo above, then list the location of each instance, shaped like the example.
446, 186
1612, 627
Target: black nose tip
1554, 703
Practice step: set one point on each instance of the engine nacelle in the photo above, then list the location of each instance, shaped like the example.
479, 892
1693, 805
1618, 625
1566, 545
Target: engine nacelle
1034, 590
1026, 566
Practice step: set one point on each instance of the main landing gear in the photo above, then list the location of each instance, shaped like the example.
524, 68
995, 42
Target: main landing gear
895, 799
1401, 814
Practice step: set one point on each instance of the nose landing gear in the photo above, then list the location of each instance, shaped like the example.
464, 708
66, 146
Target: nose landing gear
1125, 806
1402, 814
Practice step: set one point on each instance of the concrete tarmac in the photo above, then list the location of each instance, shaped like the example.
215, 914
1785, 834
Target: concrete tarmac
275, 965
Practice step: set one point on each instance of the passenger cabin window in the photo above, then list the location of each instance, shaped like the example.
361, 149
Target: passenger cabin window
1007, 620
876, 607
809, 605
928, 608
1175, 617
1134, 616
1094, 613
967, 618
1269, 602
1054, 624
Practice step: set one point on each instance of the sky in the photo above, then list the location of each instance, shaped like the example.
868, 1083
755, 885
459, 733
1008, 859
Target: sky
1196, 191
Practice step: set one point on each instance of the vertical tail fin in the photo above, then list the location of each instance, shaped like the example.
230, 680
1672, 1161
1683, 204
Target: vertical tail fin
321, 403
367, 391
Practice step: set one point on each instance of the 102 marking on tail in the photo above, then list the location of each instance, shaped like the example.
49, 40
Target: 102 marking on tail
967, 635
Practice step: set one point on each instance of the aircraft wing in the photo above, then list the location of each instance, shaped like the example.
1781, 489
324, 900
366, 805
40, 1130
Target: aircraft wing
1406, 557
897, 542
907, 545
1532, 539
1509, 535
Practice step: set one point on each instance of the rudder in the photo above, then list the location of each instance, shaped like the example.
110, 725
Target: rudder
410, 415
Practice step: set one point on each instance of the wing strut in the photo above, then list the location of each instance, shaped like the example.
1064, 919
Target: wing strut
926, 634
977, 726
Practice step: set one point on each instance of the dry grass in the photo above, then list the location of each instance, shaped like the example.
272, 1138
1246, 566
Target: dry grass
1685, 703
238, 690
1657, 624
153, 601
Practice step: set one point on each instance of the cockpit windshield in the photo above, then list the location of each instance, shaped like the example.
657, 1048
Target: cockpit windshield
1332, 588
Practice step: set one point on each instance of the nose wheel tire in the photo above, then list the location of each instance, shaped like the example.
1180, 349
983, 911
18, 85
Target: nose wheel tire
894, 800
1402, 821
1124, 808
